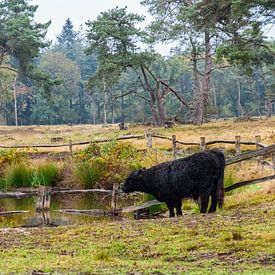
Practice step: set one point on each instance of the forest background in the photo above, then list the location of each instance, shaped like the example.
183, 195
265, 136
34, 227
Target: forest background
222, 65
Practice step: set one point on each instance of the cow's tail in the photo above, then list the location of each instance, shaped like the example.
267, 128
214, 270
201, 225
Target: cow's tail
220, 184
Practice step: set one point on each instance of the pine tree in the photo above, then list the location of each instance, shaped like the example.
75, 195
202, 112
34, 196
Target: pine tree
20, 37
67, 39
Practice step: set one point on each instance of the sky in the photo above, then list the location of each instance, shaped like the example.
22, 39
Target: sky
80, 11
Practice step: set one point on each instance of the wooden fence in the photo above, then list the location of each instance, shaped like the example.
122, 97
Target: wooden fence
43, 194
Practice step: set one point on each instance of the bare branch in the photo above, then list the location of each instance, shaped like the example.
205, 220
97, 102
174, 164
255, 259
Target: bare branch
8, 68
176, 94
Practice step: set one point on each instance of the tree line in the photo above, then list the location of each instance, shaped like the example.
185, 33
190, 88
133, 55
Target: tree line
222, 65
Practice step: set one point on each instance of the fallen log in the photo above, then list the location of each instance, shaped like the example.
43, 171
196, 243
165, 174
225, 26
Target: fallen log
84, 191
139, 207
248, 182
253, 154
9, 213
16, 195
91, 212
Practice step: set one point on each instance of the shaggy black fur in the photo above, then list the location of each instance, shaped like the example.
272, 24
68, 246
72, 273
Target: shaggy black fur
198, 177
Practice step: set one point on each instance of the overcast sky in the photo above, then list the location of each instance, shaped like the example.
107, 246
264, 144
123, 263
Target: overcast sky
80, 11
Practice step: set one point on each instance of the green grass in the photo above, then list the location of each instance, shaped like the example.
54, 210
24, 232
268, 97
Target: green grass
88, 173
47, 174
22, 174
17, 175
239, 239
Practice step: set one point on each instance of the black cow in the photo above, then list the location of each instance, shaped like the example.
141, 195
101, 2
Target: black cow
197, 176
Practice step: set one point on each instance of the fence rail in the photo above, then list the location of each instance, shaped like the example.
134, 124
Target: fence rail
43, 194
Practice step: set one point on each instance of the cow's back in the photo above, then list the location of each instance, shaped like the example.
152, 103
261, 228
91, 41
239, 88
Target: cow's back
185, 177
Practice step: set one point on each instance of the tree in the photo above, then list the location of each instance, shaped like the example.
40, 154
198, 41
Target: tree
114, 38
67, 39
71, 43
7, 79
64, 97
206, 25
20, 37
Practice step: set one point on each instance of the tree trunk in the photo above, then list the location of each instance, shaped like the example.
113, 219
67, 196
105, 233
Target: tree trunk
239, 105
113, 114
104, 108
122, 108
196, 93
160, 104
15, 102
268, 104
152, 98
81, 103
202, 98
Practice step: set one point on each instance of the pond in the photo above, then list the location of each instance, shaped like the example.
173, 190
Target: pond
54, 218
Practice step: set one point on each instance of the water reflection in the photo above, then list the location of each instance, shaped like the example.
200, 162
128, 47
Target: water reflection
54, 218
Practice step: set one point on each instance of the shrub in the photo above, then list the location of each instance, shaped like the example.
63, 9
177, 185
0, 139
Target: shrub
90, 172
12, 155
93, 150
107, 164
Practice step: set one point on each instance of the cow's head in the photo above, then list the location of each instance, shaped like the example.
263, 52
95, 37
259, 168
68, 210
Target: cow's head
133, 182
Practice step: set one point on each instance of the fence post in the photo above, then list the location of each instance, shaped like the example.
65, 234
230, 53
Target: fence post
238, 144
258, 140
71, 147
149, 141
114, 198
202, 144
40, 199
174, 146
43, 199
47, 198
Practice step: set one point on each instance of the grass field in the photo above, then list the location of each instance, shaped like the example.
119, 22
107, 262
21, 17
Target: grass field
238, 239
224, 129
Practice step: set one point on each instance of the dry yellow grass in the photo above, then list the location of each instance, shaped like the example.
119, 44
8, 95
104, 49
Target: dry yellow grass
224, 130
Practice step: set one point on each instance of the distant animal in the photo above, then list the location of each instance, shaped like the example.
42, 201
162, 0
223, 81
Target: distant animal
198, 177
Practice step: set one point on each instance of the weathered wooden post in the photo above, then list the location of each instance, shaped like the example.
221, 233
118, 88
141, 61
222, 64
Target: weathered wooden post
258, 147
71, 147
174, 146
258, 140
273, 159
43, 199
47, 198
40, 199
202, 144
238, 145
114, 199
149, 140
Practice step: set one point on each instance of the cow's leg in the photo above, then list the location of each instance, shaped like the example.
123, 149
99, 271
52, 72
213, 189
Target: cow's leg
171, 209
204, 203
178, 208
214, 201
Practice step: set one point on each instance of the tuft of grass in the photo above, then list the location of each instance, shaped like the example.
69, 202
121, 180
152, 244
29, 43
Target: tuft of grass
102, 255
228, 179
47, 174
90, 172
18, 175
